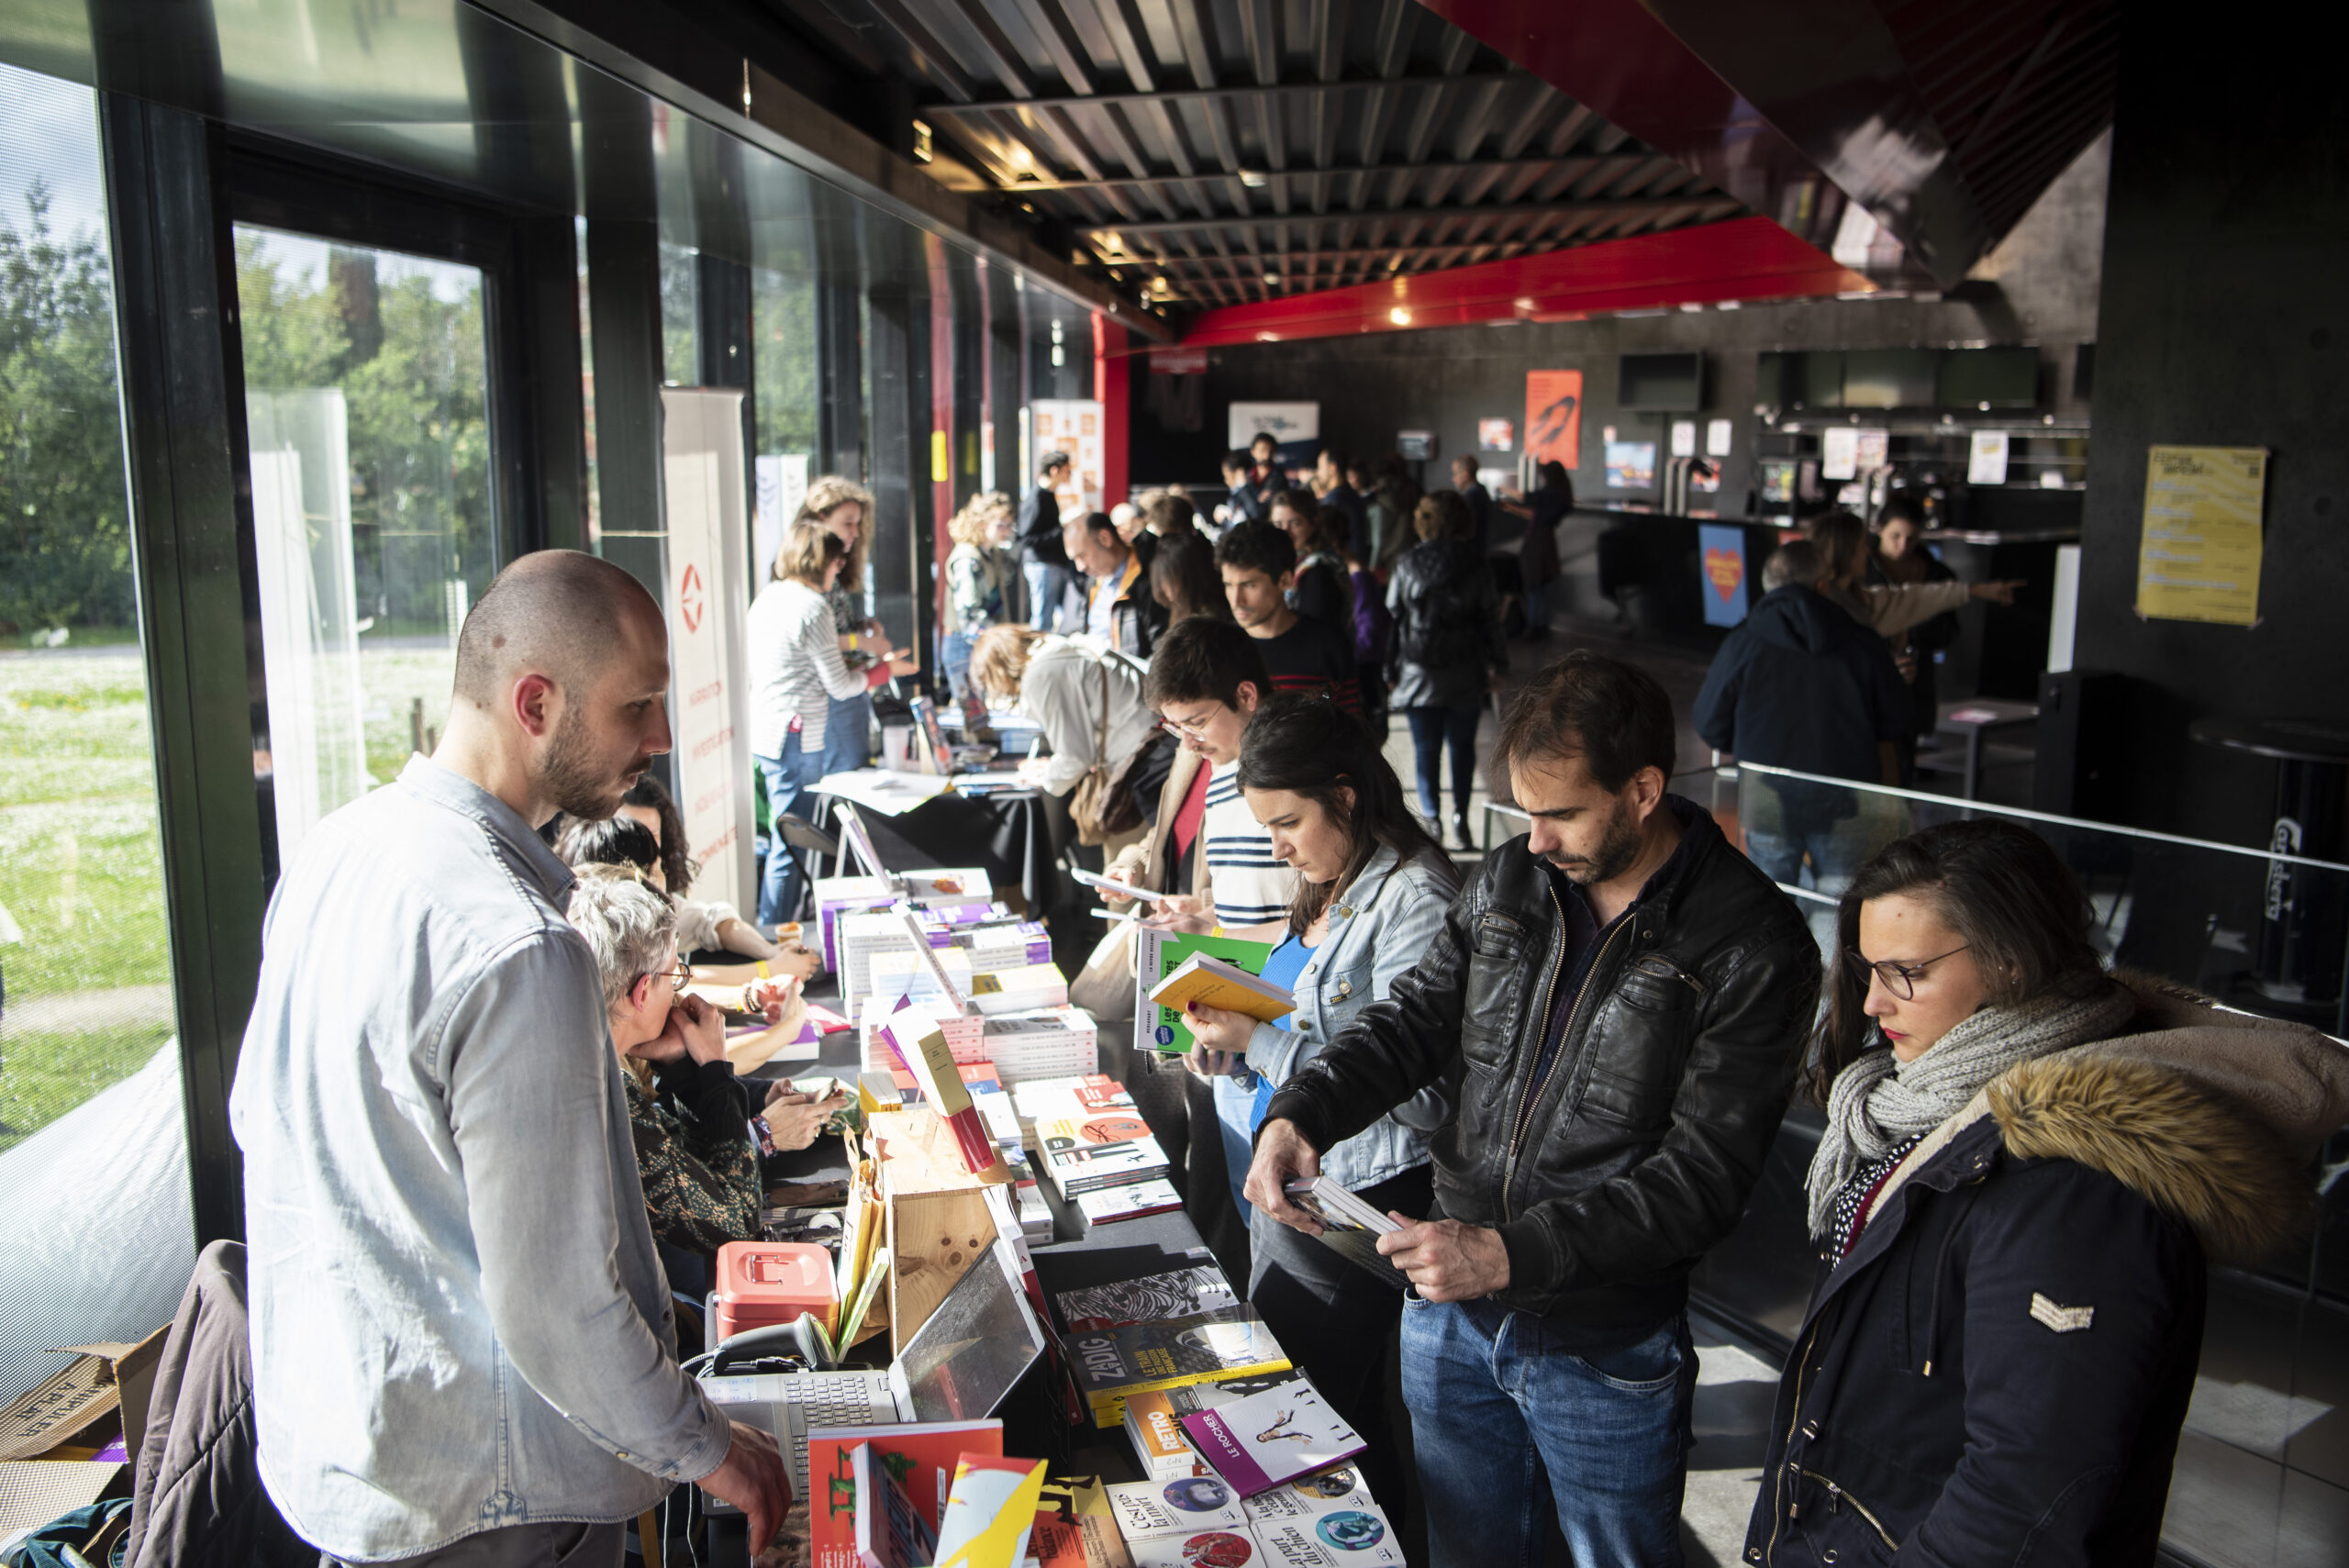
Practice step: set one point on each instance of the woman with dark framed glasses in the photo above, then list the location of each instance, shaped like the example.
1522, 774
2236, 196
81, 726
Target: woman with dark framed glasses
2028, 1163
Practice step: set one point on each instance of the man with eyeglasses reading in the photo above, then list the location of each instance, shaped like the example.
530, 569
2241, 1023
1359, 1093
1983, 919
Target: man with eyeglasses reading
1206, 680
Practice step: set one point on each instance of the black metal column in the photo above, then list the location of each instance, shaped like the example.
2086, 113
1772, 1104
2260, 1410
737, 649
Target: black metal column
840, 334
191, 503
897, 360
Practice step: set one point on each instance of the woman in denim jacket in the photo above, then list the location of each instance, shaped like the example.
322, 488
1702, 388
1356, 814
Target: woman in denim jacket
1372, 892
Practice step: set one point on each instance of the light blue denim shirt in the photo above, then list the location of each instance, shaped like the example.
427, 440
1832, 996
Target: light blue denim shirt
1380, 925
458, 1322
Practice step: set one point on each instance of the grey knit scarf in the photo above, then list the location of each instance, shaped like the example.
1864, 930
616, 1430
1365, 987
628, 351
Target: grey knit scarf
1880, 1101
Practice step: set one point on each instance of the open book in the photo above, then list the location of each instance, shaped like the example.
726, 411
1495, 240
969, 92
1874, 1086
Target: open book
1213, 983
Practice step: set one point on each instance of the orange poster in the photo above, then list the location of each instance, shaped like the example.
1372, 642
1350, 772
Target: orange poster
1553, 417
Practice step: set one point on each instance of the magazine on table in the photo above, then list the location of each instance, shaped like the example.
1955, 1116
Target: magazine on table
1267, 1439
1350, 1228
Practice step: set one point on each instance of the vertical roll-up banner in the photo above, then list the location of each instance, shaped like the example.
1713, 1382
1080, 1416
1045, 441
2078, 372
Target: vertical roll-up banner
705, 596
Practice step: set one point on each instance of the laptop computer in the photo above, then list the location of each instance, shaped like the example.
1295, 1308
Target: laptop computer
957, 1366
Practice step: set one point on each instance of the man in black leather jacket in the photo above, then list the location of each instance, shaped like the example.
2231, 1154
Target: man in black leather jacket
1623, 1000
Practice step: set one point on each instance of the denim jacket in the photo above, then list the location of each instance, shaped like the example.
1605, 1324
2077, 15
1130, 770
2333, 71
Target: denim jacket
458, 1322
1379, 925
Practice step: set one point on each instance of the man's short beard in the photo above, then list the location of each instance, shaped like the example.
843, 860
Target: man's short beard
1618, 848
568, 776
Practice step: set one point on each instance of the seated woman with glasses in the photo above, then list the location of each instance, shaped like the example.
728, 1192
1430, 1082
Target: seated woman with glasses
1372, 888
2028, 1165
689, 1113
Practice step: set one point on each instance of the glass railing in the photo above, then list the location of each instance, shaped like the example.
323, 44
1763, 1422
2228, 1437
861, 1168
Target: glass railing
2262, 931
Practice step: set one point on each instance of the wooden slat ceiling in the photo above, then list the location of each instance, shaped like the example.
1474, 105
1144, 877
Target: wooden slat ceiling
1210, 152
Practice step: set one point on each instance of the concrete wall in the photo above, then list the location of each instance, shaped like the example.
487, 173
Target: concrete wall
2038, 287
2222, 323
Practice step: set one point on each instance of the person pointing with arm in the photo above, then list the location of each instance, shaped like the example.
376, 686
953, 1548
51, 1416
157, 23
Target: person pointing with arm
1623, 999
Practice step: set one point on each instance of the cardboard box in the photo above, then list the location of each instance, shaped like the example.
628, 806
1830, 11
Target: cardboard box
104, 1379
939, 1222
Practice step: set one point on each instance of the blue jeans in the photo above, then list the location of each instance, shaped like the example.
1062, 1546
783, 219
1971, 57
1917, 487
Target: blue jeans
954, 659
1233, 1103
1435, 729
848, 734
1496, 1403
789, 778
1537, 608
1047, 586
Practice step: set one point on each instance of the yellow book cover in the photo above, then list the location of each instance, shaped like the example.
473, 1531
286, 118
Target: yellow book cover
1212, 983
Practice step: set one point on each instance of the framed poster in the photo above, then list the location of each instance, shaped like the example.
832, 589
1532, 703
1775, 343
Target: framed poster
1071, 425
2199, 556
1553, 418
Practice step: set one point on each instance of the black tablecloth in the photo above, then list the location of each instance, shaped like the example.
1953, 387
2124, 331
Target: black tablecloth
1014, 835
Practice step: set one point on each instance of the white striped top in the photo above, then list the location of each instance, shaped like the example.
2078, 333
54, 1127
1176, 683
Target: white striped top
795, 665
1251, 887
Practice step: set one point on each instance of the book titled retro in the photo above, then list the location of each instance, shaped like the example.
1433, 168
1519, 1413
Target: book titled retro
1231, 1341
1212, 983
1259, 1442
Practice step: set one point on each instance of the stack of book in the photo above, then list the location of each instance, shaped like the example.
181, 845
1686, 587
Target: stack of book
1104, 1149
1114, 1364
1022, 988
1050, 1042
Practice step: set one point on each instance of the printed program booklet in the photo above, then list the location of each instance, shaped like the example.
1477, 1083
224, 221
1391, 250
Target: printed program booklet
1351, 1227
1259, 1442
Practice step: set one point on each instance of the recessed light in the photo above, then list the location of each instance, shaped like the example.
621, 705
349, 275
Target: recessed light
1254, 179
1400, 317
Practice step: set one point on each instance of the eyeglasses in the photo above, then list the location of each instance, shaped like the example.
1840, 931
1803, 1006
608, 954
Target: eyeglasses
1900, 979
1175, 726
679, 974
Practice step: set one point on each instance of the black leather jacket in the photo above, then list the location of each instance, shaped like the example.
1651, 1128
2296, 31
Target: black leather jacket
1636, 1152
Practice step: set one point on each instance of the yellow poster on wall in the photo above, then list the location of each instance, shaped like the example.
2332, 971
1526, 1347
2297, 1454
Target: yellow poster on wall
2199, 556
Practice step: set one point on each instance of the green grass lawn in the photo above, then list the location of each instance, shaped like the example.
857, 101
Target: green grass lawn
45, 1076
80, 871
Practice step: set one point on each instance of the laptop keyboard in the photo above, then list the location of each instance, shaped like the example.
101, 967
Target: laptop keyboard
824, 1399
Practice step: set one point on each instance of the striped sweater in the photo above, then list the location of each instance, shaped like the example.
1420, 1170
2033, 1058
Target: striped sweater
1250, 885
795, 665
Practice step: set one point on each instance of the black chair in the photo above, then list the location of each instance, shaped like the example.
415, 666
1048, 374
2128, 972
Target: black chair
801, 838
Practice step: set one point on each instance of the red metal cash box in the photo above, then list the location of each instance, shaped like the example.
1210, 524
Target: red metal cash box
765, 1283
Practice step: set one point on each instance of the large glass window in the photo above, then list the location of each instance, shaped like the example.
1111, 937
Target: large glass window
366, 399
85, 996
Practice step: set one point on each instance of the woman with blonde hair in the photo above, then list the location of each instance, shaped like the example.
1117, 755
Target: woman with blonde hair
978, 576
798, 683
844, 509
1086, 702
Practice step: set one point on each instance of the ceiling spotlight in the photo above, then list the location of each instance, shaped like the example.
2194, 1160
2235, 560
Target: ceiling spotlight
1400, 317
1272, 278
1160, 286
1254, 179
922, 154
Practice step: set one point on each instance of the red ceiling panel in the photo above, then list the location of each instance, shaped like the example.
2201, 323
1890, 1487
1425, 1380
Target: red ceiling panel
1744, 259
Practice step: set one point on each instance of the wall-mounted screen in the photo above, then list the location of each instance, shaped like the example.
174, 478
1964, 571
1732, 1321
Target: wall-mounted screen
1989, 378
1671, 382
1889, 378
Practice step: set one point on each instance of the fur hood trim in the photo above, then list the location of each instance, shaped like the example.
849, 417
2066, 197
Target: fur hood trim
2212, 1117
2197, 1157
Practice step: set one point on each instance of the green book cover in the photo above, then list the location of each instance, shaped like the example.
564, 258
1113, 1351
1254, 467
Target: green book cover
1158, 954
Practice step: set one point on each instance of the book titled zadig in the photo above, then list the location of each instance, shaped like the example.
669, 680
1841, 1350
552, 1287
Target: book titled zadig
1228, 1343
